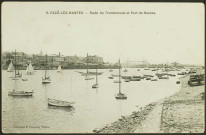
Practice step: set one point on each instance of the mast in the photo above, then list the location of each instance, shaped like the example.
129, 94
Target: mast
15, 62
96, 76
119, 78
46, 67
87, 63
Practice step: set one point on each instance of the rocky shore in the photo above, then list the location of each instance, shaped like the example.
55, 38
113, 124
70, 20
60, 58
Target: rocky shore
182, 112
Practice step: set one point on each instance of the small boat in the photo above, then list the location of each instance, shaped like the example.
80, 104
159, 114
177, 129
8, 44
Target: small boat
148, 75
46, 79
18, 74
164, 77
138, 69
126, 80
182, 73
154, 79
110, 77
88, 78
125, 70
110, 70
134, 76
10, 67
148, 78
117, 81
154, 69
59, 69
178, 82
96, 85
59, 103
20, 93
126, 77
142, 77
120, 95
24, 79
135, 79
30, 69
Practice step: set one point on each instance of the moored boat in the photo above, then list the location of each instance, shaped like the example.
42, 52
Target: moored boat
24, 79
135, 79
20, 93
110, 77
117, 81
10, 67
120, 95
148, 78
59, 69
59, 103
96, 85
30, 69
46, 79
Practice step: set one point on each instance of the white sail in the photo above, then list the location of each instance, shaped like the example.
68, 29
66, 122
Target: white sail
10, 68
59, 69
30, 69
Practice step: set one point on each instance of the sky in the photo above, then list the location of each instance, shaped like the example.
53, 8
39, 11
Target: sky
175, 33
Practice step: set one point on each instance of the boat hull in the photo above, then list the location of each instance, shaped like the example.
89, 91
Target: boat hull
20, 93
120, 96
95, 86
59, 103
90, 73
44, 81
30, 73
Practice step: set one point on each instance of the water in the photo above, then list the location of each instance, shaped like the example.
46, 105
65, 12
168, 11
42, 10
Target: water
93, 108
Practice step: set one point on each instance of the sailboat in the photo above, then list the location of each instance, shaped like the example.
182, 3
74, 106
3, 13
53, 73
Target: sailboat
120, 95
89, 73
125, 70
96, 85
110, 70
18, 93
165, 76
46, 78
30, 69
10, 67
16, 74
126, 79
59, 69
86, 77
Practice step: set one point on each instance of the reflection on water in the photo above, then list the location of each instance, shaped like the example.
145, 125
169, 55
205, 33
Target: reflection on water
93, 108
68, 109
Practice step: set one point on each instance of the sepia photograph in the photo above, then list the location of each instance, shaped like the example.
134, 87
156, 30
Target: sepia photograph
102, 67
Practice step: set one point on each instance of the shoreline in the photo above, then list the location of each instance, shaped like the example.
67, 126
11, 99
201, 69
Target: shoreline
182, 112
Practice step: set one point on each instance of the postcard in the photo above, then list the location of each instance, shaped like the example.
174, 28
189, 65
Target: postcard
103, 67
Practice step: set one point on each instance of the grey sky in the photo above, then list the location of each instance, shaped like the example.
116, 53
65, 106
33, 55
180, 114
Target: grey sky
174, 33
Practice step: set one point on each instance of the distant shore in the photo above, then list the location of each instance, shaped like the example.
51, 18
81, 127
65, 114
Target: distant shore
183, 112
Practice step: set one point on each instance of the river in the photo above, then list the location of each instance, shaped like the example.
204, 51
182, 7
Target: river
93, 108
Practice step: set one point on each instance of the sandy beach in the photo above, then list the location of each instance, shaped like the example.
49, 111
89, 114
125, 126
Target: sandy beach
183, 112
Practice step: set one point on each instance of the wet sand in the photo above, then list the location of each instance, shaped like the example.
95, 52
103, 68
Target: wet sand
182, 112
